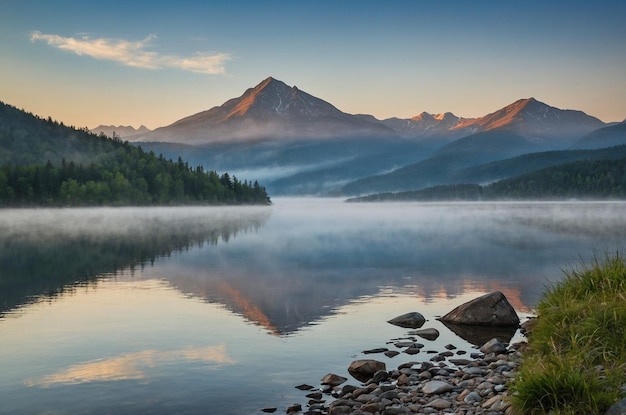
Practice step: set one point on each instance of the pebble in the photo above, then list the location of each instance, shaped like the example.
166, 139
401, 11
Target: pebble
475, 386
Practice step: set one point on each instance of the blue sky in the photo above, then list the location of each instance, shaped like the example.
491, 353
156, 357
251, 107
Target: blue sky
153, 62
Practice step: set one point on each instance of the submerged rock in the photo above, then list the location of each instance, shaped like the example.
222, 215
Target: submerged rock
428, 334
491, 309
413, 320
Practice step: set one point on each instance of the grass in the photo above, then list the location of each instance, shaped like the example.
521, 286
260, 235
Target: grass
576, 358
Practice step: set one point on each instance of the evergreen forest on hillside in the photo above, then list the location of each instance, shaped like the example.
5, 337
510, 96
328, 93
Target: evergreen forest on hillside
583, 180
45, 163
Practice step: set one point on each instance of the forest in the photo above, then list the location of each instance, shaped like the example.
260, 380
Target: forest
45, 163
580, 180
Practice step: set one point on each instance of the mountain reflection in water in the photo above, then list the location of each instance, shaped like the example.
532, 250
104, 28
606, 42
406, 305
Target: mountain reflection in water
302, 259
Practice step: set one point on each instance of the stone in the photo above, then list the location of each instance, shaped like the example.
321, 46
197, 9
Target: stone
305, 387
440, 403
403, 380
460, 362
364, 369
370, 407
493, 346
436, 387
314, 395
339, 410
491, 309
472, 397
396, 410
376, 350
269, 410
428, 334
294, 408
333, 380
619, 408
391, 353
413, 320
379, 376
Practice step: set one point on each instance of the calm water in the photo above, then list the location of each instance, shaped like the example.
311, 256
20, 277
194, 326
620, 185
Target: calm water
225, 310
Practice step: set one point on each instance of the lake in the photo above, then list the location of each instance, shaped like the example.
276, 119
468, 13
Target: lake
226, 309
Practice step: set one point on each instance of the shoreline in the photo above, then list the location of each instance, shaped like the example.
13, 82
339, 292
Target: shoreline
448, 381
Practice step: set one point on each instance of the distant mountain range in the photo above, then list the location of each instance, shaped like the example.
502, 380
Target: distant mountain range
122, 131
299, 144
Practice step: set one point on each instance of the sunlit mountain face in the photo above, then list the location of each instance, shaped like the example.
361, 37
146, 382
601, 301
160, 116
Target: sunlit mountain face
270, 110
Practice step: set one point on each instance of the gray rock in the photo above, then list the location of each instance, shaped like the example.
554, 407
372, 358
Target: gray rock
428, 334
333, 380
440, 403
491, 309
412, 320
364, 369
340, 410
294, 408
397, 410
493, 346
436, 387
472, 397
376, 350
460, 362
619, 408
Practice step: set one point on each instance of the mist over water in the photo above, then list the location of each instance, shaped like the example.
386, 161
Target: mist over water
184, 309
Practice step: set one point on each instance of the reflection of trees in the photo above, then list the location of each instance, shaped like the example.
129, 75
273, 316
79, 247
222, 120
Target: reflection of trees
46, 260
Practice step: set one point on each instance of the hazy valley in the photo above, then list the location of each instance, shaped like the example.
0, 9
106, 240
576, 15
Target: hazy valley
297, 144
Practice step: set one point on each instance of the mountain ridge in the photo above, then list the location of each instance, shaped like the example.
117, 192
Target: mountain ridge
271, 109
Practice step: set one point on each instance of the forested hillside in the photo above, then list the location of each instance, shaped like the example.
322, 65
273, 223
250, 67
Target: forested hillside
584, 180
45, 163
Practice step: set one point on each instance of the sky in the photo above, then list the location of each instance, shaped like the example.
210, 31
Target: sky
114, 62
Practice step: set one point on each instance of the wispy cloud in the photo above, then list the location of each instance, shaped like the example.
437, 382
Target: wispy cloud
135, 54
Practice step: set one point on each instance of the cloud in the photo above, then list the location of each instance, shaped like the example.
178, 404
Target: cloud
135, 54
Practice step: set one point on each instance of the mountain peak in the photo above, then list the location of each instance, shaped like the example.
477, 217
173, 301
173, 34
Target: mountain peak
535, 119
271, 109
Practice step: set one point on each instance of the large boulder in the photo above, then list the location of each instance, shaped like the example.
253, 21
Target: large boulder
365, 369
619, 408
413, 320
491, 309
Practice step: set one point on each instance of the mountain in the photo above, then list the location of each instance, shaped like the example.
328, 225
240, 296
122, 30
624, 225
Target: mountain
270, 110
525, 126
28, 139
425, 124
613, 135
535, 120
438, 169
122, 131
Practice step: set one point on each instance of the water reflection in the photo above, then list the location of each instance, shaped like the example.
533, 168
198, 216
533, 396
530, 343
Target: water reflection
131, 366
44, 252
305, 258
313, 257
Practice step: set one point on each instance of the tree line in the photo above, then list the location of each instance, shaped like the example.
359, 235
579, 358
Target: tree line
588, 180
45, 163
132, 177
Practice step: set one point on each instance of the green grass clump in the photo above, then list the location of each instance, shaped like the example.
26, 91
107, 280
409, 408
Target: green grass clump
576, 357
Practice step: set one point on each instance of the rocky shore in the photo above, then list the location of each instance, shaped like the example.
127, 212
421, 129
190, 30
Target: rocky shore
449, 381
445, 383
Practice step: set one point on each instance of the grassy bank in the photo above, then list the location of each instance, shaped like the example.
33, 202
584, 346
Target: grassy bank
576, 359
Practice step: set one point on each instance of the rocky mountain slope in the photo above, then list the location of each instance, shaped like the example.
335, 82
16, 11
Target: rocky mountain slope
270, 110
